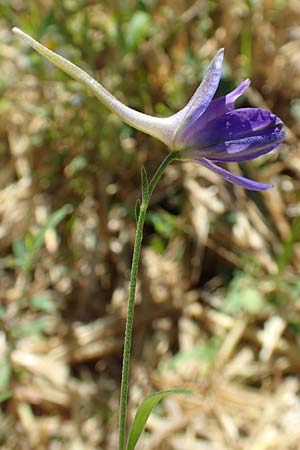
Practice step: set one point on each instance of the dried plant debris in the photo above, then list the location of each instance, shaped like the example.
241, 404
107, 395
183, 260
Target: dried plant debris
218, 293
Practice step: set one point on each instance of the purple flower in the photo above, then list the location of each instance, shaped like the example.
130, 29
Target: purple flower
207, 131
213, 131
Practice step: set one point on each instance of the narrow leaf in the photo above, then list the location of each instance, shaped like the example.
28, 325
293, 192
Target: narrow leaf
145, 184
143, 412
52, 222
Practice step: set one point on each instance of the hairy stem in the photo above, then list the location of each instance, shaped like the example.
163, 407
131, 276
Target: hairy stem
132, 288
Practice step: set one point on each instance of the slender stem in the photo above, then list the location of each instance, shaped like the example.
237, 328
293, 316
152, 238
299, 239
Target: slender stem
132, 288
169, 158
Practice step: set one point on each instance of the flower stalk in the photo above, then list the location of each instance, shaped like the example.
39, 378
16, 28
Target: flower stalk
146, 196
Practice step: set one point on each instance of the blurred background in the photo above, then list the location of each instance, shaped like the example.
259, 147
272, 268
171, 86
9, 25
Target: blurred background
218, 306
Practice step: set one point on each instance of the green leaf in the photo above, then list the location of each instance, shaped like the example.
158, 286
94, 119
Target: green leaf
20, 254
164, 223
31, 327
138, 28
77, 164
42, 302
51, 223
19, 249
204, 353
158, 244
243, 295
34, 243
24, 252
143, 412
145, 184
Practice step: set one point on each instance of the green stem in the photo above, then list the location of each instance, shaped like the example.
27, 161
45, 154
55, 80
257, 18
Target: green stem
132, 288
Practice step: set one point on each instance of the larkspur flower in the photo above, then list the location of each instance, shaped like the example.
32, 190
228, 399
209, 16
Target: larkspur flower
206, 130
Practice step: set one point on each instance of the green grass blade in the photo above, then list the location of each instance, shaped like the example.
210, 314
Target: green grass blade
143, 412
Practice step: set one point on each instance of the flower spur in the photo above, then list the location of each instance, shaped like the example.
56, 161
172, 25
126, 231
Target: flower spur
206, 130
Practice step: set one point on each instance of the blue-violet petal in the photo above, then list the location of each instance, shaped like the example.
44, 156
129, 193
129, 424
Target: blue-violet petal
232, 178
217, 107
201, 98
